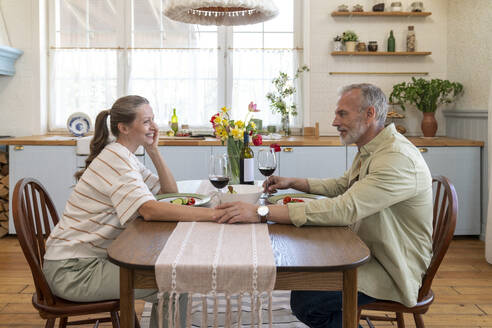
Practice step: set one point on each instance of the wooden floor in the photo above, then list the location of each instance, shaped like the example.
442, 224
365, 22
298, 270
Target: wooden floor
463, 288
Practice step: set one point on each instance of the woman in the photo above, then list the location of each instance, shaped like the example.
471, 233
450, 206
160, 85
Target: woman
113, 189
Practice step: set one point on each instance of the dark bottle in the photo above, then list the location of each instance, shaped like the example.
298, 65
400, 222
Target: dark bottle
246, 163
391, 42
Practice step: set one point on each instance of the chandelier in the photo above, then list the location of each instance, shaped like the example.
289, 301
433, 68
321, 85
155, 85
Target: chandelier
220, 12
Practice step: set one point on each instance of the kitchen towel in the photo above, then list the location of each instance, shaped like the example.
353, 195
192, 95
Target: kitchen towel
213, 259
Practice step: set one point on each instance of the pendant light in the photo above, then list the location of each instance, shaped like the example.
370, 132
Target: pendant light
220, 12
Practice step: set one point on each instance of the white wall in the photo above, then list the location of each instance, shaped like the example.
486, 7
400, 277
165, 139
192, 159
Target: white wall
431, 36
22, 97
470, 50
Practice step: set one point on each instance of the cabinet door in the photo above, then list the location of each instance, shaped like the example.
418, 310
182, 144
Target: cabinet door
185, 162
53, 166
461, 165
313, 162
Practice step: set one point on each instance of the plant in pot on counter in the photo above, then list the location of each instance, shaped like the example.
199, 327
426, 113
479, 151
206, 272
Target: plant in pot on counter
349, 38
426, 95
281, 98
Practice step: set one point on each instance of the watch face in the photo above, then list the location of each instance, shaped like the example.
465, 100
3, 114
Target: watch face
263, 210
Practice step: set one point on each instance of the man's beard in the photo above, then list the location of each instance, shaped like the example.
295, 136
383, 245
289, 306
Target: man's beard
353, 135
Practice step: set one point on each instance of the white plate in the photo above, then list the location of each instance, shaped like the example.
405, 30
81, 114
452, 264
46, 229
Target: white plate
79, 124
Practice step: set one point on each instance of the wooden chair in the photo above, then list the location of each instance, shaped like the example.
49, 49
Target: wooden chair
444, 223
33, 210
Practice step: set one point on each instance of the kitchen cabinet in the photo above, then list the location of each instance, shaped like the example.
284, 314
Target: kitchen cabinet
53, 166
461, 165
313, 162
185, 162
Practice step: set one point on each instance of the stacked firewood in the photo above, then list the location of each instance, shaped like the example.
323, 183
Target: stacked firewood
4, 194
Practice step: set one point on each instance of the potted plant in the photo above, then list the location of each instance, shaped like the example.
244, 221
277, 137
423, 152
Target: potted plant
337, 43
426, 95
349, 38
281, 97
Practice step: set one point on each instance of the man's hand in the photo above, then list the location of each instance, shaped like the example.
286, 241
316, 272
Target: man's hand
238, 212
274, 182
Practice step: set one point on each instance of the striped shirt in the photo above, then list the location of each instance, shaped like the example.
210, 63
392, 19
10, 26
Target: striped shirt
107, 196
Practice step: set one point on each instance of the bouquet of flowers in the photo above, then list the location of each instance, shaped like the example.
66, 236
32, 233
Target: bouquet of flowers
232, 132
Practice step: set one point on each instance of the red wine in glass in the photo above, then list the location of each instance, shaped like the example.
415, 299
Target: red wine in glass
266, 171
219, 182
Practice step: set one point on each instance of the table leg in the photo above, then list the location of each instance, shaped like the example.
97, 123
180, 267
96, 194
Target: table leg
127, 298
350, 298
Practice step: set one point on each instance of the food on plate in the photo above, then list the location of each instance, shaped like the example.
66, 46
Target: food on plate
288, 199
231, 190
182, 134
184, 201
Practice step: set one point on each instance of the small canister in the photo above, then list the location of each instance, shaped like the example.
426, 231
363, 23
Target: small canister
396, 6
373, 46
361, 46
417, 6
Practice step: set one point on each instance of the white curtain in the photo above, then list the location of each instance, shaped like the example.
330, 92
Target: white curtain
253, 72
488, 236
81, 80
173, 78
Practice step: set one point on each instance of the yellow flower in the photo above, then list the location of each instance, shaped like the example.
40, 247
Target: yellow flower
253, 125
217, 120
224, 109
225, 122
239, 125
237, 133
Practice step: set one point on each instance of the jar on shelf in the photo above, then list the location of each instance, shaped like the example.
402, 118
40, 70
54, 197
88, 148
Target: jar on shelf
361, 46
396, 6
372, 46
417, 6
411, 39
378, 5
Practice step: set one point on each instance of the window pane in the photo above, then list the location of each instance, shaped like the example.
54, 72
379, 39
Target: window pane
284, 22
181, 79
248, 40
279, 40
82, 81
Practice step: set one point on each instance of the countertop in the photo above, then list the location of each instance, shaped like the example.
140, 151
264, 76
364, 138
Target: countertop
55, 140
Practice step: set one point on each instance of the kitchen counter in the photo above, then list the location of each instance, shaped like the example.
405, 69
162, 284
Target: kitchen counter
55, 140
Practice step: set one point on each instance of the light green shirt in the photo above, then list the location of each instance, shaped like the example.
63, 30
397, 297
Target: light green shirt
386, 197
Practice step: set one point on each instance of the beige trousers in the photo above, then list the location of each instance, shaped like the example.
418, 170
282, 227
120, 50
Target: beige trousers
97, 279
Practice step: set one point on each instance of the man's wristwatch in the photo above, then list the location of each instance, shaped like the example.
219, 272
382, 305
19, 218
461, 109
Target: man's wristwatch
263, 212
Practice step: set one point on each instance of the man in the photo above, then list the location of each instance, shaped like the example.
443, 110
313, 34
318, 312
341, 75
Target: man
386, 197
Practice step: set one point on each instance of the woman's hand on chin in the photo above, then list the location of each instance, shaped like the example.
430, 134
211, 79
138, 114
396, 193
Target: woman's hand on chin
150, 147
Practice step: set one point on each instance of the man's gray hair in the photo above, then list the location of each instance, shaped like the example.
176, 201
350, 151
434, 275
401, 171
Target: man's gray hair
371, 95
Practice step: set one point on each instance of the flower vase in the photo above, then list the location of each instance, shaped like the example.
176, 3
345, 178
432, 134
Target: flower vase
233, 151
286, 125
429, 124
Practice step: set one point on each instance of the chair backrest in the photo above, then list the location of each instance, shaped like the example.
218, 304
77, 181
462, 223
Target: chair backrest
444, 222
33, 210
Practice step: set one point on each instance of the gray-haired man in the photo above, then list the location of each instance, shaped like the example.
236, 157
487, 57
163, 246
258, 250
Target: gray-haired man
386, 197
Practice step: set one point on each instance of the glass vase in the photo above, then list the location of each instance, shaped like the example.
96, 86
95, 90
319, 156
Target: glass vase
233, 151
286, 125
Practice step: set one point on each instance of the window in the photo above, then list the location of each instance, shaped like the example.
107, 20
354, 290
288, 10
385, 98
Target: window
103, 49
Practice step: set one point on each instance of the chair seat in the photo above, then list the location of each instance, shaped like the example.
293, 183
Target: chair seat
63, 307
390, 306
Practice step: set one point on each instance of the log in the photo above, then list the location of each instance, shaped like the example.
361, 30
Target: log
3, 158
4, 224
3, 231
4, 170
4, 216
4, 192
5, 180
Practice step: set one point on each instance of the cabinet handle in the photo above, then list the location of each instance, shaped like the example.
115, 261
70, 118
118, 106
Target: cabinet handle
288, 149
19, 147
423, 150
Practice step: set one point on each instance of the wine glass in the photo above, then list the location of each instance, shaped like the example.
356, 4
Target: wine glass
219, 171
267, 163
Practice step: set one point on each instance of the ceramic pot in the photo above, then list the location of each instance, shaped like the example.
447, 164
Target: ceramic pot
350, 45
337, 46
429, 124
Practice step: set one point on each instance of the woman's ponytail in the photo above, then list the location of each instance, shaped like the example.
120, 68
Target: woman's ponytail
99, 141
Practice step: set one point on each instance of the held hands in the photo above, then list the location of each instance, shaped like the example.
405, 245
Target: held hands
237, 212
274, 182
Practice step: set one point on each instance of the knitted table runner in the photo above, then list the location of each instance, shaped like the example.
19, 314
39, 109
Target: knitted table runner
208, 259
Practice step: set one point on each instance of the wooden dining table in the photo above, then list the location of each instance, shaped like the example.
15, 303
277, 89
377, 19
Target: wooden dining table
307, 258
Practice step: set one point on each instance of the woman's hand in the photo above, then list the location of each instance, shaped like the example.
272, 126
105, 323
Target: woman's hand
153, 147
238, 212
274, 182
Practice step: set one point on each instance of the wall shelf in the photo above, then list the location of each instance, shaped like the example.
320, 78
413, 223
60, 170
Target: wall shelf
381, 13
380, 53
8, 56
